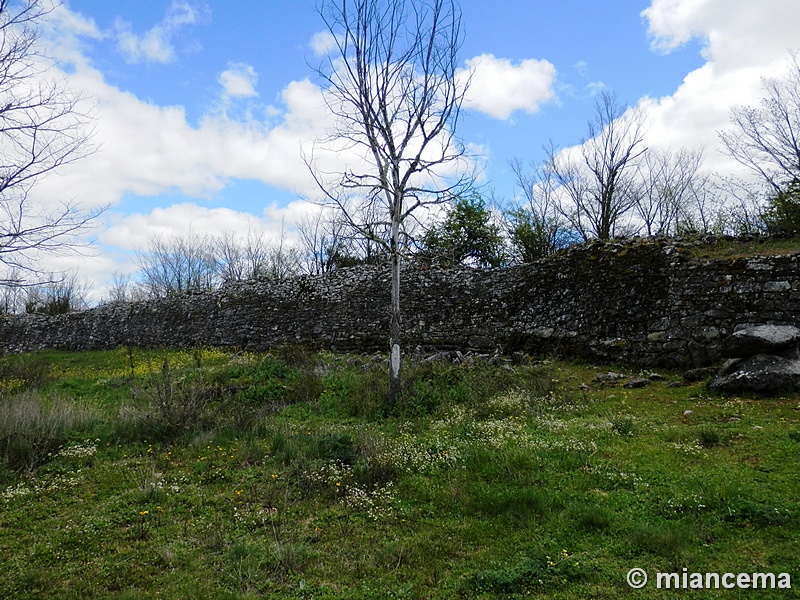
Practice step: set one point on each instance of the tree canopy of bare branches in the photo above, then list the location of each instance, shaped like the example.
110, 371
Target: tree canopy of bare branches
665, 182
766, 138
596, 178
41, 129
391, 84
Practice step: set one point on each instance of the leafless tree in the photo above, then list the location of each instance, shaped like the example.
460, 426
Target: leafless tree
253, 257
391, 85
766, 139
177, 265
596, 178
57, 295
322, 240
41, 129
663, 188
703, 209
740, 205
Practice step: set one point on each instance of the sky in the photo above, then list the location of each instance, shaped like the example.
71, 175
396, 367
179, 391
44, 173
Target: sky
202, 107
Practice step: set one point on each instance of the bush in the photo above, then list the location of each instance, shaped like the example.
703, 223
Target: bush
33, 428
174, 406
782, 216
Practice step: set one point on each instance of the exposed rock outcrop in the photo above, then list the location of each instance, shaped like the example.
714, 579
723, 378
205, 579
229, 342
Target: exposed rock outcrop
764, 360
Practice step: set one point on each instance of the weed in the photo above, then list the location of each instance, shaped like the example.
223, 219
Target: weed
708, 437
756, 513
176, 405
663, 539
26, 371
33, 428
623, 425
591, 517
289, 557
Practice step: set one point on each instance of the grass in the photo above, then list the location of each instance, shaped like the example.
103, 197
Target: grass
735, 248
213, 475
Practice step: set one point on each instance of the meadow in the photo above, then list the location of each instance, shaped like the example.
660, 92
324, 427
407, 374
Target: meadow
211, 474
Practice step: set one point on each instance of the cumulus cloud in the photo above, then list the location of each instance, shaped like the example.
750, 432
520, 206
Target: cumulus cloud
156, 44
322, 43
499, 87
736, 33
742, 42
239, 81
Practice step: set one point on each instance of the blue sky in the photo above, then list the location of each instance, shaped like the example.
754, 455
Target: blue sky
202, 105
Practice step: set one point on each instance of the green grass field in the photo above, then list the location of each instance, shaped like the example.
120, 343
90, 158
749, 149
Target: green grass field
206, 474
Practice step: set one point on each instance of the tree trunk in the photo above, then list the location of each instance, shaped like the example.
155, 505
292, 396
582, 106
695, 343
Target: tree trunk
394, 327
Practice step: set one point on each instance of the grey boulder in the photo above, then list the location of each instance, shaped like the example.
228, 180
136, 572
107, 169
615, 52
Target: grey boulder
760, 374
759, 339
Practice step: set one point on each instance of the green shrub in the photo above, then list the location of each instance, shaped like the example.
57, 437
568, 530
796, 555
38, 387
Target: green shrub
338, 447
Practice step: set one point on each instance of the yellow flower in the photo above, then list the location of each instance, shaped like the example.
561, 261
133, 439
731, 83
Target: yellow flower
144, 512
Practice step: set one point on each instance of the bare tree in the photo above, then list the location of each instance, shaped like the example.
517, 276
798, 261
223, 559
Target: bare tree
596, 178
740, 208
391, 85
123, 289
57, 295
322, 240
41, 129
664, 185
178, 265
703, 210
766, 139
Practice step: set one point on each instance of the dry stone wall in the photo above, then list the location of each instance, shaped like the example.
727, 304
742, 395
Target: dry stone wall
643, 303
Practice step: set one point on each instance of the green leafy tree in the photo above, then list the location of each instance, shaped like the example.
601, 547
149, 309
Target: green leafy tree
468, 236
531, 236
783, 210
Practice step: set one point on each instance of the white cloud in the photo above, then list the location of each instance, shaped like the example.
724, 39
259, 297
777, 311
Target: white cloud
156, 44
145, 149
134, 231
736, 33
499, 87
322, 43
239, 81
743, 41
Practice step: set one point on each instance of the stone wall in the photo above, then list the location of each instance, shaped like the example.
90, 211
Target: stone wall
641, 303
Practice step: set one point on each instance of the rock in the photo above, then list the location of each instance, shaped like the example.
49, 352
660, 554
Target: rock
610, 376
761, 374
448, 356
699, 374
637, 383
759, 339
